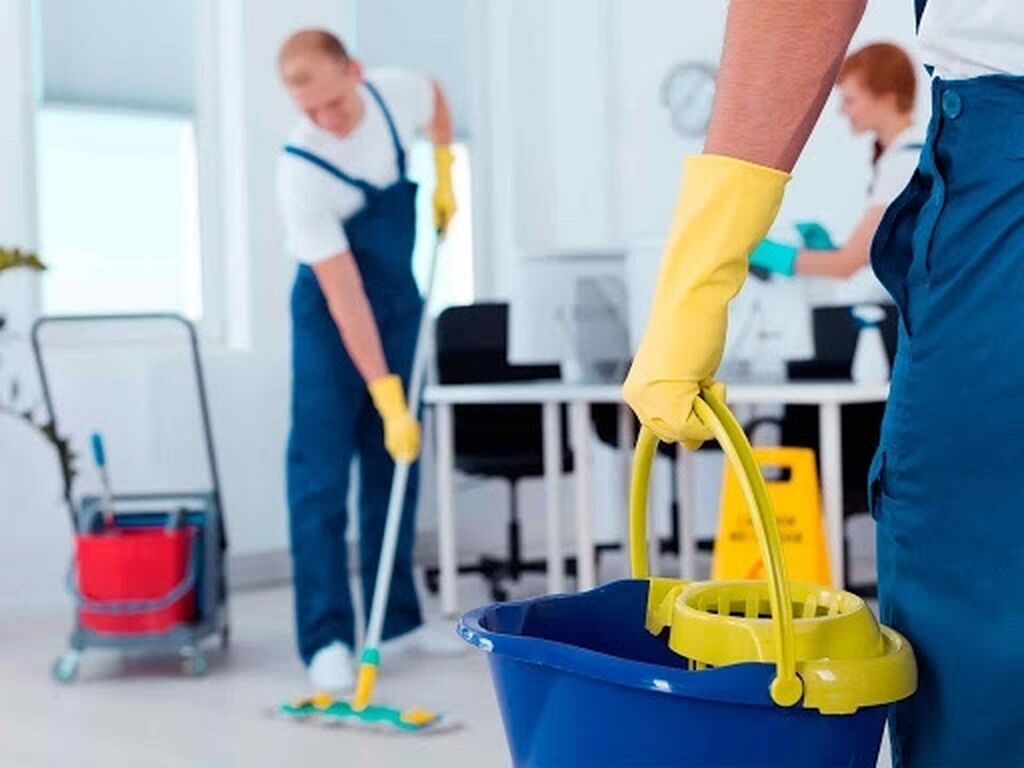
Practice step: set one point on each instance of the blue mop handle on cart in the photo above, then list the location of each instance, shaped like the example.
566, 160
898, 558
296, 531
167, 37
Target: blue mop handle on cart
99, 455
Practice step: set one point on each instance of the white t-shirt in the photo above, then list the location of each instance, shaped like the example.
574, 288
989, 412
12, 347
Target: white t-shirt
895, 167
968, 38
891, 174
313, 202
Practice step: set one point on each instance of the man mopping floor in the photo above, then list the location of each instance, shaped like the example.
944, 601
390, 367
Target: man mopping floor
350, 217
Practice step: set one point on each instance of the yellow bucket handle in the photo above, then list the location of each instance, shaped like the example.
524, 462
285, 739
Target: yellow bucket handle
786, 688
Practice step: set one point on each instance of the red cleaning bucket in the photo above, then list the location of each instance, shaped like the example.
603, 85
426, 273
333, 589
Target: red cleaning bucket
134, 581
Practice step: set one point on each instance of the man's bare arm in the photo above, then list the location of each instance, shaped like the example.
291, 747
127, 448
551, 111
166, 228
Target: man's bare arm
779, 63
346, 298
854, 255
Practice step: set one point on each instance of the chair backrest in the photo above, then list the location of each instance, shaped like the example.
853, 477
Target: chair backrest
835, 339
472, 347
501, 440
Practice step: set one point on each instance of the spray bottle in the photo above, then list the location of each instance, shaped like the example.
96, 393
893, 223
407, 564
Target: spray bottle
870, 360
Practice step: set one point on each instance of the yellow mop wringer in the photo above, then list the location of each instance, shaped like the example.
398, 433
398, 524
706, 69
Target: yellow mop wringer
831, 653
360, 711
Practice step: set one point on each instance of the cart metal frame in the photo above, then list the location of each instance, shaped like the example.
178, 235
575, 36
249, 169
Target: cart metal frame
202, 509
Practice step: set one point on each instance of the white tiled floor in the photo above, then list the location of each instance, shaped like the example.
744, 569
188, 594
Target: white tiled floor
135, 713
146, 714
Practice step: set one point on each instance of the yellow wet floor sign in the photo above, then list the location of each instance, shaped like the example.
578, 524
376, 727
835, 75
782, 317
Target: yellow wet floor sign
792, 478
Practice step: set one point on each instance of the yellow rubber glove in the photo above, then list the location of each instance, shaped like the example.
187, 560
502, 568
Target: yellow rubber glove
444, 195
725, 208
401, 430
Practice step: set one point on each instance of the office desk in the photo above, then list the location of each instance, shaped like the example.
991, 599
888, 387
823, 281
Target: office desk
550, 395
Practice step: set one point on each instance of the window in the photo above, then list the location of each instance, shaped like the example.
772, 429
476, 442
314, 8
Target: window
118, 212
117, 167
453, 283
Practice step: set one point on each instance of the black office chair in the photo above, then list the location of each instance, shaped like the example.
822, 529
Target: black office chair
501, 441
835, 339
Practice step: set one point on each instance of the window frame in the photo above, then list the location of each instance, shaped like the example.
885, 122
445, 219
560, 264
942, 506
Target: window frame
215, 22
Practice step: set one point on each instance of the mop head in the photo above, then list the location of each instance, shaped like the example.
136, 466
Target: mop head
326, 710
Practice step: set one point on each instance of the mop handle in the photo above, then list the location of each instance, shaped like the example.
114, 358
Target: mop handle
717, 417
99, 455
370, 658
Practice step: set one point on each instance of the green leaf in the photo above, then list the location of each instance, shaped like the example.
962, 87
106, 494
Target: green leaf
12, 258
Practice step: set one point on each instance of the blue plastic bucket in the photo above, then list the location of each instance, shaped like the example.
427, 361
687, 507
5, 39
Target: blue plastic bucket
580, 682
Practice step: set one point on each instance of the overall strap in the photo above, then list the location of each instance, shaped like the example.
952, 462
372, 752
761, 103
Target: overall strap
399, 151
319, 162
919, 6
919, 10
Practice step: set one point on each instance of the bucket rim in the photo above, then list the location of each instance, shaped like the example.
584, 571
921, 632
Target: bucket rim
744, 683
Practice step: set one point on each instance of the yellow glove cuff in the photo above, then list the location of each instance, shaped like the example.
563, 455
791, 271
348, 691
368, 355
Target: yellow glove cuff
388, 396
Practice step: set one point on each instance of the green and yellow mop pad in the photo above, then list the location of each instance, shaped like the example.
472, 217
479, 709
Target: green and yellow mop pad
326, 710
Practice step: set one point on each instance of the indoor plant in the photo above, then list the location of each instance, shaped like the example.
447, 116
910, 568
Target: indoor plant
10, 389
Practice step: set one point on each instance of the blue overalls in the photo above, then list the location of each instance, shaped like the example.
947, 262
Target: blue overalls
333, 419
946, 484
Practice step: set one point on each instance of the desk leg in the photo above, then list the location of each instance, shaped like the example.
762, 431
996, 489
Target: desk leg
552, 493
686, 509
832, 486
584, 512
448, 563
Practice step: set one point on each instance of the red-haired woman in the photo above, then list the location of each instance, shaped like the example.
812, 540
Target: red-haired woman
877, 85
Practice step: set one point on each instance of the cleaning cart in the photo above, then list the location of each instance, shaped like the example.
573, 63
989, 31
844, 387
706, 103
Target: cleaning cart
654, 672
147, 574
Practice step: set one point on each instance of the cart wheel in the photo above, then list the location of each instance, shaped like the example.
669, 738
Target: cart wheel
195, 662
65, 667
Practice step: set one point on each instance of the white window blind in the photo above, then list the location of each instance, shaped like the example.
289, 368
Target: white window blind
127, 53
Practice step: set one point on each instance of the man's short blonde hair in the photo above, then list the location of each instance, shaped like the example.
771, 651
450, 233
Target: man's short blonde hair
302, 44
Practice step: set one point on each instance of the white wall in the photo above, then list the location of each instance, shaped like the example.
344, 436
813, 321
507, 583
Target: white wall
654, 36
582, 151
34, 544
17, 214
434, 37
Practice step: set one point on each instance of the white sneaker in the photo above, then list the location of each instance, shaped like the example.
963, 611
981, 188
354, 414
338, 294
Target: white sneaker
330, 671
439, 641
